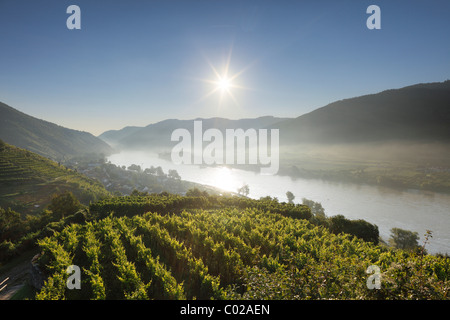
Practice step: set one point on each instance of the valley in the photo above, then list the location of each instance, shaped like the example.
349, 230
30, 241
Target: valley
133, 220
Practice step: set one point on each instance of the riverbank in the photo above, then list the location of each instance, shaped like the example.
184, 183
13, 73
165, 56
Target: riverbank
386, 207
400, 178
423, 167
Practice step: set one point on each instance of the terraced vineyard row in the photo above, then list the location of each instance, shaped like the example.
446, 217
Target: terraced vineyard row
229, 253
16, 164
28, 181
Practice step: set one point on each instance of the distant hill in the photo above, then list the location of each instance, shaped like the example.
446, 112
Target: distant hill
28, 181
113, 137
158, 135
46, 138
418, 113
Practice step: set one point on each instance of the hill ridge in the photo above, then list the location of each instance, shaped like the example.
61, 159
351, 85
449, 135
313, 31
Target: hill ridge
28, 181
46, 138
414, 113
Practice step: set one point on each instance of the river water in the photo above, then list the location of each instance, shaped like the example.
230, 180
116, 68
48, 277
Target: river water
387, 208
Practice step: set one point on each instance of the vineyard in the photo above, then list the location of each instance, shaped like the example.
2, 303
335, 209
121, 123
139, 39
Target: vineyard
174, 247
28, 181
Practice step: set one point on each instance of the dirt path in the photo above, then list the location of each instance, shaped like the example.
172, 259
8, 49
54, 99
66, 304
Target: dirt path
18, 276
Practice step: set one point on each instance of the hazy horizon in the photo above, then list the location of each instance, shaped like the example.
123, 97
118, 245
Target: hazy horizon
135, 63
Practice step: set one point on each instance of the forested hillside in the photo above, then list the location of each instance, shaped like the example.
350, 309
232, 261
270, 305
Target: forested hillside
46, 138
417, 113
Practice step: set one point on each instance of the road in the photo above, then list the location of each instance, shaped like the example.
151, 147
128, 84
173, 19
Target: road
15, 278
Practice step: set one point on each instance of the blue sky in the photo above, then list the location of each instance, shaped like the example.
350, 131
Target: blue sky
139, 62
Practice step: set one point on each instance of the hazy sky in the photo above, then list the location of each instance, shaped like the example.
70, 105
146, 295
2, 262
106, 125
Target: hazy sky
139, 62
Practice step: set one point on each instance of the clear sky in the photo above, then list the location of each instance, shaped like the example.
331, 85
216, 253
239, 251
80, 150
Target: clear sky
137, 62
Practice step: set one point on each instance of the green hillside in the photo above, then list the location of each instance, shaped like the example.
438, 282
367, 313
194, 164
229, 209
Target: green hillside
46, 138
28, 181
216, 247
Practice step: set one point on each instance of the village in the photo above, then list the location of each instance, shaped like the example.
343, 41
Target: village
122, 180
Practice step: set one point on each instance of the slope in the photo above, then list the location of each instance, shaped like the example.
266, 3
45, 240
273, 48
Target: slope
28, 181
158, 135
418, 113
241, 249
46, 138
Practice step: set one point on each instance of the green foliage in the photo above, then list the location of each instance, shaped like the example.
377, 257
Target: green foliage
194, 199
28, 181
135, 167
64, 204
213, 247
404, 239
244, 190
290, 196
173, 174
11, 225
137, 193
359, 228
47, 139
316, 208
195, 192
19, 234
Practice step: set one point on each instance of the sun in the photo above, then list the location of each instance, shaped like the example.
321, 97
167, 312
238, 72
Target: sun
224, 83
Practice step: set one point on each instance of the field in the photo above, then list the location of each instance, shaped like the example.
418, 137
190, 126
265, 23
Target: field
226, 248
401, 166
199, 246
28, 181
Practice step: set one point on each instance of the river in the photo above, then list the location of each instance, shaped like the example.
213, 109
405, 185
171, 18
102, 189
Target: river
387, 208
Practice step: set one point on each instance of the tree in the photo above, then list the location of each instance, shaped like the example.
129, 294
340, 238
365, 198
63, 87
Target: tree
135, 167
137, 193
316, 207
151, 170
196, 192
64, 204
159, 172
290, 196
404, 239
359, 228
428, 234
174, 174
11, 225
244, 190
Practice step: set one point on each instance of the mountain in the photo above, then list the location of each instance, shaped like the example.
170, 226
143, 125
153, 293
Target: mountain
158, 135
112, 137
28, 181
419, 113
46, 138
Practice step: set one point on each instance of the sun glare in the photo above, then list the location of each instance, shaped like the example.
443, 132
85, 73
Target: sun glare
225, 180
224, 83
